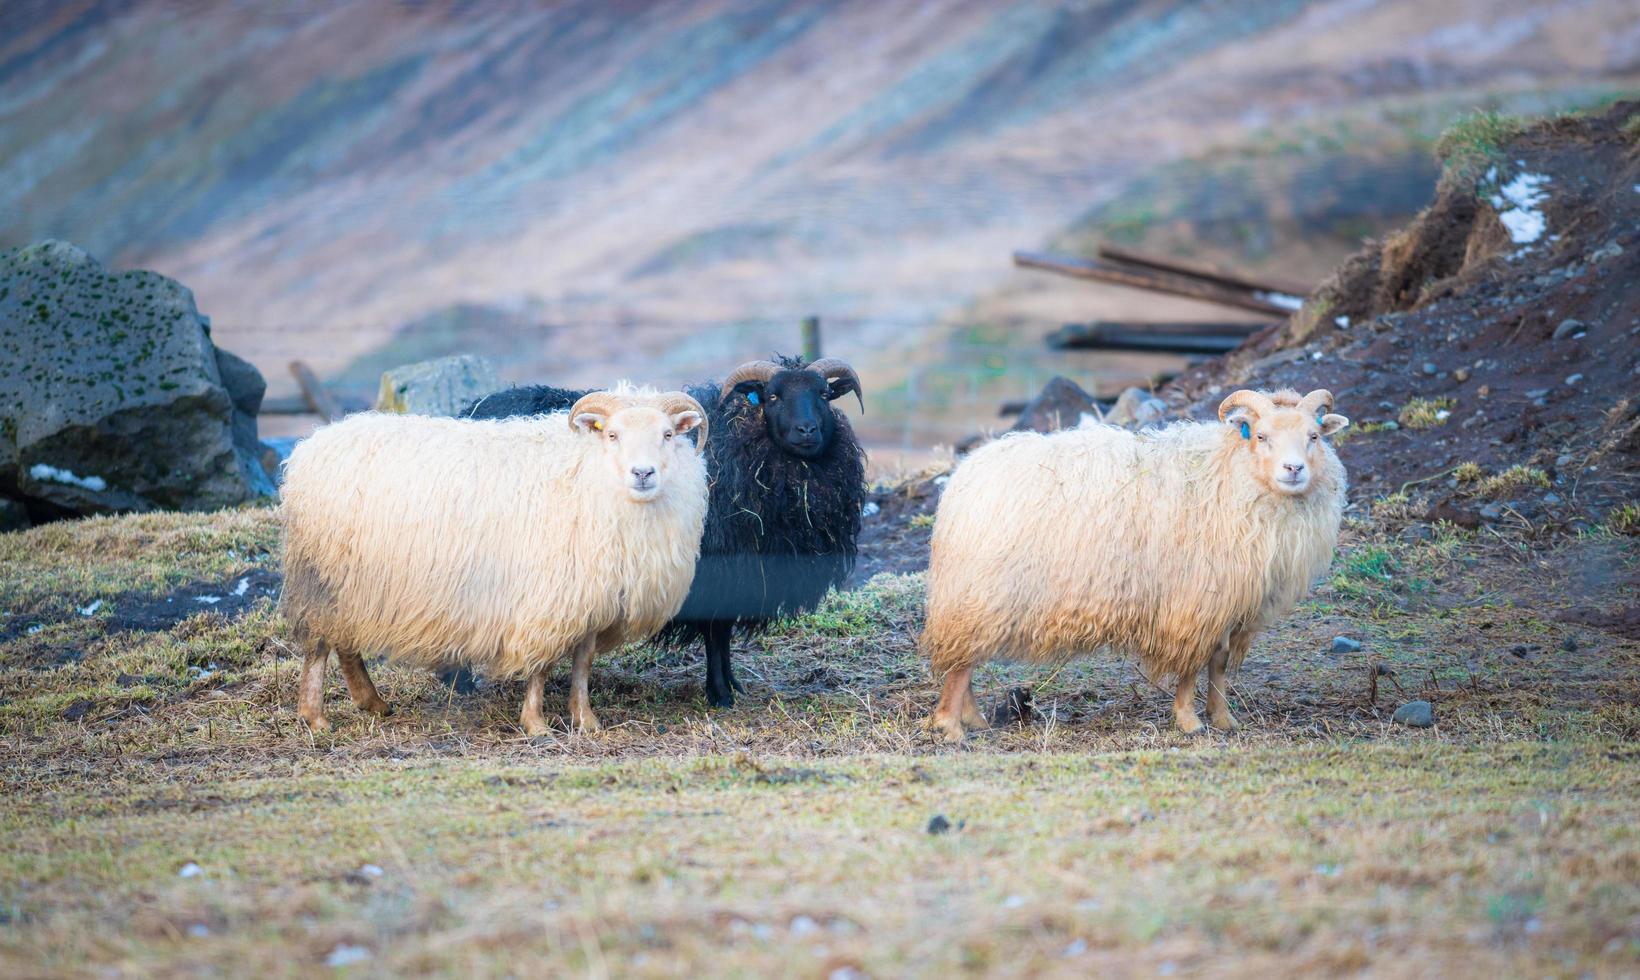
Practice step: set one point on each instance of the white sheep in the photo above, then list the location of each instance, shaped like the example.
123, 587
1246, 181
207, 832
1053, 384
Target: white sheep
1175, 546
505, 544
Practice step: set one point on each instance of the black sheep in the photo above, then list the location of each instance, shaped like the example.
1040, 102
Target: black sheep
787, 481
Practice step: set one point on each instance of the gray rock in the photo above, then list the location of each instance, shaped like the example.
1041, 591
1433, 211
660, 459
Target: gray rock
1060, 405
1567, 328
439, 387
1415, 714
1136, 408
1492, 512
1430, 368
1343, 644
13, 515
1574, 379
1537, 393
1561, 462
1551, 499
118, 401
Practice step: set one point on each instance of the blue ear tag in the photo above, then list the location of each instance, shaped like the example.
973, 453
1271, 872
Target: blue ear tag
1318, 420
1246, 431
751, 396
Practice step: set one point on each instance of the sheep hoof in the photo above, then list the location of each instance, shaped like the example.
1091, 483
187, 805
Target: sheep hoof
1189, 724
945, 729
1224, 722
588, 724
720, 699
381, 709
316, 723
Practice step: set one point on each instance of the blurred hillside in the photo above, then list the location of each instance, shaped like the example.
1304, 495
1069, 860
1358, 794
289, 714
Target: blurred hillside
595, 189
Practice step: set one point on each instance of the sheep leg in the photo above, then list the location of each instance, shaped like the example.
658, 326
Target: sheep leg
360, 686
580, 704
533, 721
310, 698
1184, 704
956, 708
720, 686
1217, 685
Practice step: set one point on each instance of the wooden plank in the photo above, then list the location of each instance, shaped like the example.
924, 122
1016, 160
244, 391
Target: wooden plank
1067, 335
1208, 273
318, 399
1116, 336
1144, 279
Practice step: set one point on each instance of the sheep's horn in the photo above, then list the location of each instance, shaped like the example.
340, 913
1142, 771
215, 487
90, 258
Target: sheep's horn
836, 367
1256, 402
597, 403
750, 371
674, 402
1318, 402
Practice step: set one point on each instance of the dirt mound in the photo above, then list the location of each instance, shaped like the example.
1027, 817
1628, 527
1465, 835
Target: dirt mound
1489, 353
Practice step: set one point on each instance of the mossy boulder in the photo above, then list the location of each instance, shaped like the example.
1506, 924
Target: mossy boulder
113, 397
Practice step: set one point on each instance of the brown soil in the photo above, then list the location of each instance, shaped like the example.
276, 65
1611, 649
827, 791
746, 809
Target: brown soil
1451, 308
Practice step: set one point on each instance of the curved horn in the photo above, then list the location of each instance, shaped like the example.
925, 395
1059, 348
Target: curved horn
674, 402
836, 367
1318, 402
597, 403
1256, 402
750, 371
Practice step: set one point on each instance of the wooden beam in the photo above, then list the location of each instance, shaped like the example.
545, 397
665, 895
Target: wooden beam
1207, 273
1138, 278
1122, 336
1068, 335
321, 401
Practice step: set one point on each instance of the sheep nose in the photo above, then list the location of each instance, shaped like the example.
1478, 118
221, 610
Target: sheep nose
1294, 469
643, 473
807, 428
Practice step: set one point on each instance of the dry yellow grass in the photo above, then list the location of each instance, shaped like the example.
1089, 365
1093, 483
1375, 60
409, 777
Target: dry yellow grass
790, 834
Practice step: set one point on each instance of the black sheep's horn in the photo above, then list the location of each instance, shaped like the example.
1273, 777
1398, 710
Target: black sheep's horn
750, 371
836, 367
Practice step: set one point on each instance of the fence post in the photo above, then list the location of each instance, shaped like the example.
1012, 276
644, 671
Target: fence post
811, 338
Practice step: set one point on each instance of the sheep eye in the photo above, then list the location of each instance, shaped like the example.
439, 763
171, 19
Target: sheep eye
1263, 438
1314, 437
667, 436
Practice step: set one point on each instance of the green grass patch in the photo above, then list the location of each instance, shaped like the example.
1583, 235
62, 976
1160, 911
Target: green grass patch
1475, 143
1425, 413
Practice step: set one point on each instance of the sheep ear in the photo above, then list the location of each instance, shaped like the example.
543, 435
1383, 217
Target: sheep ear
686, 421
1332, 423
588, 422
752, 390
1240, 416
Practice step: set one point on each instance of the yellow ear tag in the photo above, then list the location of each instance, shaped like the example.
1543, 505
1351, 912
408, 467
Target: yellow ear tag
598, 425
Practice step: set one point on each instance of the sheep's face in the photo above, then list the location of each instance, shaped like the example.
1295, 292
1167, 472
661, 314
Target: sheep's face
1282, 435
641, 444
796, 407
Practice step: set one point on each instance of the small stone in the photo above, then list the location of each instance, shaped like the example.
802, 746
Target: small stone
871, 509
1460, 375
1561, 462
1574, 379
346, 955
1415, 714
1551, 499
1483, 391
1567, 328
803, 925
937, 824
1569, 645
1430, 368
199, 930
1343, 644
190, 870
1537, 393
1492, 512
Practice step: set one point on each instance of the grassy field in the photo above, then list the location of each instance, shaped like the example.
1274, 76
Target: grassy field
166, 813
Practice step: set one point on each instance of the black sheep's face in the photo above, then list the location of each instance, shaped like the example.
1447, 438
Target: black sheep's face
796, 407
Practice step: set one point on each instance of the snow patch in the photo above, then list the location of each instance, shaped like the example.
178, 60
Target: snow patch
1522, 217
42, 472
346, 955
91, 609
1284, 300
244, 584
1342, 321
209, 600
190, 870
